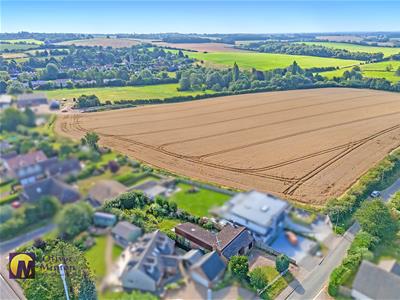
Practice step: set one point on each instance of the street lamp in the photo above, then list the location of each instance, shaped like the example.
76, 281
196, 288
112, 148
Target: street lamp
61, 268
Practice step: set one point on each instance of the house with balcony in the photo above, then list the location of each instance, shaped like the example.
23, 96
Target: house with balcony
262, 214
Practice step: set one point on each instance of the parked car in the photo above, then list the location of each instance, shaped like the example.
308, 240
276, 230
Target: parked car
375, 194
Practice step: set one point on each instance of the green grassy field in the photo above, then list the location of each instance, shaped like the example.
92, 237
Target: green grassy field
197, 203
95, 257
123, 93
268, 61
375, 70
356, 48
31, 41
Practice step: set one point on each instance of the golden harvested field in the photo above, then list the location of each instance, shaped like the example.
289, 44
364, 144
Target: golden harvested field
105, 42
305, 145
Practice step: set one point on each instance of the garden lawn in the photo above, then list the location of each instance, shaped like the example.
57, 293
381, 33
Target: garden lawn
116, 252
374, 70
198, 203
167, 224
160, 91
275, 289
134, 295
96, 257
387, 51
268, 61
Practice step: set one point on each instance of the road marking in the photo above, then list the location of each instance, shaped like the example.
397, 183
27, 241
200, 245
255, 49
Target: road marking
319, 293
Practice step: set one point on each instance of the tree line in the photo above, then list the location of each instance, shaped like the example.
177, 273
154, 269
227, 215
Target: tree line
311, 50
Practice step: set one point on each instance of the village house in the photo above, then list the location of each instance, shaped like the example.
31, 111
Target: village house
125, 233
29, 100
63, 168
105, 190
374, 282
25, 167
228, 242
28, 168
262, 214
5, 101
208, 270
151, 189
50, 187
148, 264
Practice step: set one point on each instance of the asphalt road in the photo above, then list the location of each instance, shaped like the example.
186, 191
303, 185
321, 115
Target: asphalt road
311, 286
390, 191
7, 293
7, 246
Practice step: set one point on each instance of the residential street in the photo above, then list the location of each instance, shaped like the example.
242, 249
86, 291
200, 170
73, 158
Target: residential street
311, 286
9, 245
390, 191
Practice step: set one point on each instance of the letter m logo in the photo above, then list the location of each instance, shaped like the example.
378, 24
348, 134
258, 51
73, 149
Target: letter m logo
22, 265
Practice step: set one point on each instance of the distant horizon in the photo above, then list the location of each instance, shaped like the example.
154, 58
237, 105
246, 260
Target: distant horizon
206, 33
204, 17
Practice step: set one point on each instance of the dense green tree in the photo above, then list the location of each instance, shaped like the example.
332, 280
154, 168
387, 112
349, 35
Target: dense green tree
235, 72
91, 139
397, 73
258, 278
184, 83
374, 217
15, 87
239, 266
47, 148
65, 150
10, 118
3, 86
282, 263
48, 284
51, 71
30, 118
74, 218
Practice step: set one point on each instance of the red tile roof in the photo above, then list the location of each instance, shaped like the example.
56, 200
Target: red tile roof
25, 160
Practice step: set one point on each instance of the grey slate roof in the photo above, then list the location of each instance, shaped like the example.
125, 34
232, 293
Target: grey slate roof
376, 283
210, 266
192, 256
257, 207
243, 239
124, 229
150, 254
105, 190
151, 188
64, 167
50, 187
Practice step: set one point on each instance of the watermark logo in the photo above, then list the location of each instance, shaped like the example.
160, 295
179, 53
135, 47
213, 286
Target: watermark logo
22, 265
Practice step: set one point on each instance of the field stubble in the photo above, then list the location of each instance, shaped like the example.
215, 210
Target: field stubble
305, 145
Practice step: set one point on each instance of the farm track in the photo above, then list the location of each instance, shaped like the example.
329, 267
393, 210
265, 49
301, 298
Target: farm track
342, 128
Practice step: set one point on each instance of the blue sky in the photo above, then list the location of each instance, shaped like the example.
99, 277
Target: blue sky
129, 16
